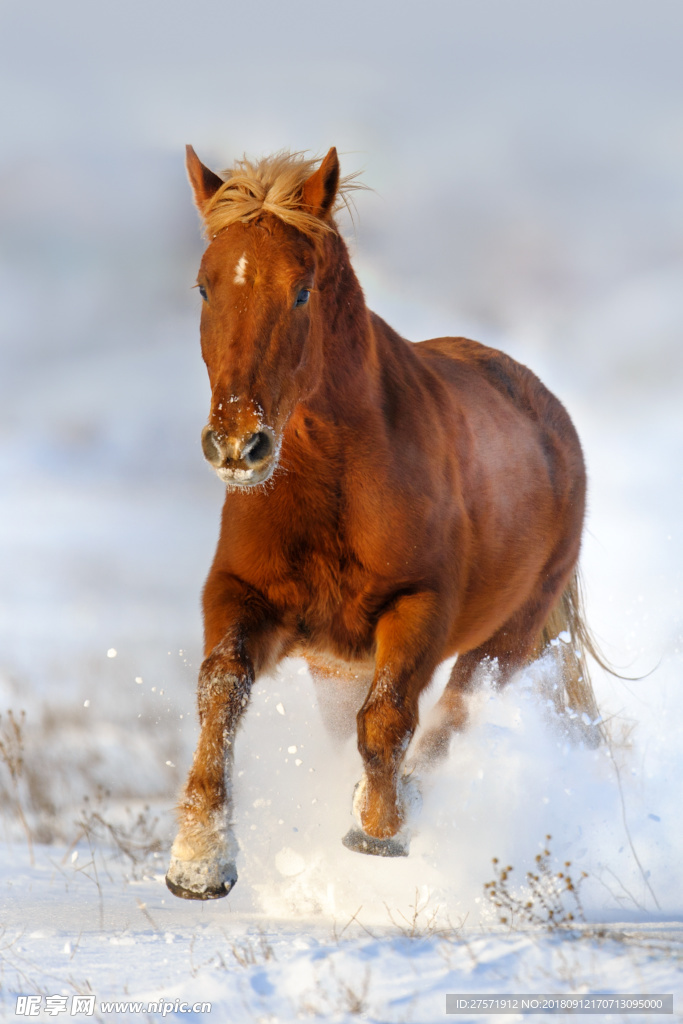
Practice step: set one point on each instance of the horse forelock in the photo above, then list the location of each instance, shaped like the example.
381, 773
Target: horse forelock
272, 185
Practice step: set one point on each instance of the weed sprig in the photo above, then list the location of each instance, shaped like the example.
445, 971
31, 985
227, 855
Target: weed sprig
136, 839
552, 900
12, 756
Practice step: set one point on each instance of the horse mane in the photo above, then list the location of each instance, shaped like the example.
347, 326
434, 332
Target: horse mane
271, 185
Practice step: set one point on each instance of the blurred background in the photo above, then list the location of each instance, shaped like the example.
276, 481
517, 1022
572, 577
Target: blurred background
526, 159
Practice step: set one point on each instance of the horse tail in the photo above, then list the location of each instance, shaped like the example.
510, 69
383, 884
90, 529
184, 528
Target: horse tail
566, 632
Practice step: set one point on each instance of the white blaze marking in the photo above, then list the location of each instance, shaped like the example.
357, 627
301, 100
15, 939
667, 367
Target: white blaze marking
240, 277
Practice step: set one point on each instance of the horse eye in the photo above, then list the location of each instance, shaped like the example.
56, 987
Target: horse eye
202, 292
302, 297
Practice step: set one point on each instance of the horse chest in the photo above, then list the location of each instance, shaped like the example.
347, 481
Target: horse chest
327, 567
326, 595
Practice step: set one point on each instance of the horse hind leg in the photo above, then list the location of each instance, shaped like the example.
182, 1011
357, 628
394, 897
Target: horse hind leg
450, 714
508, 650
530, 633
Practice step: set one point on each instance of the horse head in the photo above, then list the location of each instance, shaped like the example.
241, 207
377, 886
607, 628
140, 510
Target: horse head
267, 225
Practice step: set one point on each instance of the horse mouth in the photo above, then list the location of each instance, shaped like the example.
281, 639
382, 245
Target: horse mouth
238, 477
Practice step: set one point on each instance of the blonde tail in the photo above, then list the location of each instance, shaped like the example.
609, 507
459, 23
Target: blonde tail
566, 632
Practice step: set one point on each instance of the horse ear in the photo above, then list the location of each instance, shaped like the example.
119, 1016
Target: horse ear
320, 190
203, 181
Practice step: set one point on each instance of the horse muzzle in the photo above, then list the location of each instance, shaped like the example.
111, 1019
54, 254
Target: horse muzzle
241, 461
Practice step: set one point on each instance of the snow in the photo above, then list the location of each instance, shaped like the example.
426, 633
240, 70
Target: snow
254, 966
528, 169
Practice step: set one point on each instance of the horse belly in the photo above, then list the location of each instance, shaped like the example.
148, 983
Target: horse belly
520, 523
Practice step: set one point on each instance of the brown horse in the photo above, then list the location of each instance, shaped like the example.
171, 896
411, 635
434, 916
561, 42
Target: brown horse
389, 505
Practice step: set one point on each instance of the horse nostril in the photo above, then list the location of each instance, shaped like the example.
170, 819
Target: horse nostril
210, 447
258, 447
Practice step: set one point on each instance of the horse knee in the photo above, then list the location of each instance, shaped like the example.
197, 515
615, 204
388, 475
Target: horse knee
224, 686
384, 732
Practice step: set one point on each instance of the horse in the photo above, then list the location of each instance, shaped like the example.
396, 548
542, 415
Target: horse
388, 506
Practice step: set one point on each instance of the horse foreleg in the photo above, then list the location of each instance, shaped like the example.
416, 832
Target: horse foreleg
203, 854
408, 638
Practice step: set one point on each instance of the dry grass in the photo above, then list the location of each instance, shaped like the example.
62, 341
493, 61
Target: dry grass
134, 839
43, 766
252, 949
12, 758
335, 997
424, 921
552, 898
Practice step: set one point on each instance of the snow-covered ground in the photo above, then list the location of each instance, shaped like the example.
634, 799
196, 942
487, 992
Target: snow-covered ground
528, 170
87, 928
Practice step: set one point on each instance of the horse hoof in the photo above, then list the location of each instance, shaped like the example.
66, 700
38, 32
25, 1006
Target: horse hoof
201, 879
206, 894
361, 842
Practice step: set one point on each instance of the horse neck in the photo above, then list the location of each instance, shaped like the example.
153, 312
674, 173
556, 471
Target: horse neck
350, 367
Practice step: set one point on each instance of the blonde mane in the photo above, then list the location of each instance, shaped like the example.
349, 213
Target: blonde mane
272, 185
